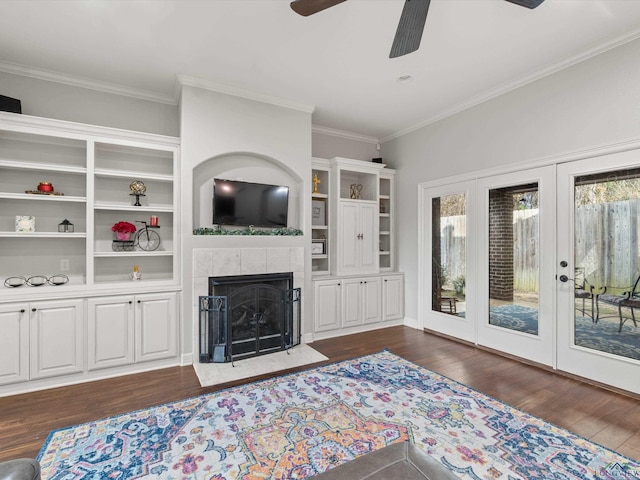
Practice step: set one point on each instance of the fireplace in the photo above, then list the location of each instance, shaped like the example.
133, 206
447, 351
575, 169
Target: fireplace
248, 315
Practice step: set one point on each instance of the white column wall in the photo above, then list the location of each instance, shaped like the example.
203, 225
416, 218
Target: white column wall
214, 124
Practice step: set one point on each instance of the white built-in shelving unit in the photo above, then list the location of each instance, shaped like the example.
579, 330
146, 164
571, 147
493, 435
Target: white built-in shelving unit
47, 329
356, 286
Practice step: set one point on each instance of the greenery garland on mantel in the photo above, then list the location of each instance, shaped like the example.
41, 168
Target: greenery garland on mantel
218, 230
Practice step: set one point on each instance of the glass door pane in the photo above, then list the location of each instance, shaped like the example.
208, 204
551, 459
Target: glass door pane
606, 259
514, 220
448, 253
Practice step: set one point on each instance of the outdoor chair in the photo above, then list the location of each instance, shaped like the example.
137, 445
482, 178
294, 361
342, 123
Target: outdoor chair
629, 299
584, 291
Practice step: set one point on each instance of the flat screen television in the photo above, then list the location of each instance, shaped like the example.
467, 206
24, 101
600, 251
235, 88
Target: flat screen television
244, 203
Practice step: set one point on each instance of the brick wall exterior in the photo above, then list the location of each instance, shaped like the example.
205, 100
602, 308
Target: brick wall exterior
501, 244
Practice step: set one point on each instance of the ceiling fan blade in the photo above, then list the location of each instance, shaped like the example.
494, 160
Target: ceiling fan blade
410, 28
309, 7
527, 3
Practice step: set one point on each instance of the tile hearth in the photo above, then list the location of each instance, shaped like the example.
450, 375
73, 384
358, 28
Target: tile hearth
217, 373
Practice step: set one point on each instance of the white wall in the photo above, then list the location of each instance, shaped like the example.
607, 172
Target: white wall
594, 103
218, 125
42, 98
329, 146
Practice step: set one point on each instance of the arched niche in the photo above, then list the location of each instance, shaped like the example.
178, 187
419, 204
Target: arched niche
244, 167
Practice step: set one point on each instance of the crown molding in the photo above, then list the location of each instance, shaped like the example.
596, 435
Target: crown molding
333, 132
239, 92
75, 81
586, 54
33, 124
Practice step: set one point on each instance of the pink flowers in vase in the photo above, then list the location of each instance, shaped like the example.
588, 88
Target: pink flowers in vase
123, 230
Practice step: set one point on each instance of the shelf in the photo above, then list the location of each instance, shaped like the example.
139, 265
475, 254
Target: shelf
319, 257
135, 253
48, 167
49, 198
384, 253
103, 172
319, 227
384, 215
319, 195
123, 207
384, 197
384, 232
43, 235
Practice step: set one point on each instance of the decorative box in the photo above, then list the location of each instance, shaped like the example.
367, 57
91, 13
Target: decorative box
25, 223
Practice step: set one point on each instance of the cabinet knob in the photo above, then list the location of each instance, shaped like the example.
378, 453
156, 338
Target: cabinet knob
34, 309
339, 284
22, 310
130, 302
365, 282
139, 301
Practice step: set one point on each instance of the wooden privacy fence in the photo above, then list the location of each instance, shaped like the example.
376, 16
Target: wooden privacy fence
606, 245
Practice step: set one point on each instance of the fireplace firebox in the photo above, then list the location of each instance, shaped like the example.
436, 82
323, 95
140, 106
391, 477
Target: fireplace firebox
248, 315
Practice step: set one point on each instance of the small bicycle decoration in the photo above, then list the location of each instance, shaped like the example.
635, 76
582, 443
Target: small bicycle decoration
146, 238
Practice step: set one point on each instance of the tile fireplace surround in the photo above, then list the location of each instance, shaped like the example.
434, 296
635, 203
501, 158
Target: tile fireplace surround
217, 262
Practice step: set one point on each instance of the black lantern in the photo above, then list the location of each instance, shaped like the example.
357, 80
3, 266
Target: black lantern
65, 226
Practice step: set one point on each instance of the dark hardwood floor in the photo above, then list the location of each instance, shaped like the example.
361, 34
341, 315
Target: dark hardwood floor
608, 418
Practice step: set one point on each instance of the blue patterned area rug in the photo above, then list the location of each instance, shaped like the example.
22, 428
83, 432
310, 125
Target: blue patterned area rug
515, 317
302, 424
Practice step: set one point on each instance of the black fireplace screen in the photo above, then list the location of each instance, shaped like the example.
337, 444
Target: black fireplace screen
246, 316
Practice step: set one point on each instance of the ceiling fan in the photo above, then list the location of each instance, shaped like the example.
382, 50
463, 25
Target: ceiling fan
412, 20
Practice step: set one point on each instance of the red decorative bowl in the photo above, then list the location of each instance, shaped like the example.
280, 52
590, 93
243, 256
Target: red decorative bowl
45, 187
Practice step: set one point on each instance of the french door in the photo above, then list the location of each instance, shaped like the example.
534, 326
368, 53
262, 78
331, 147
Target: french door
448, 267
520, 262
598, 254
516, 291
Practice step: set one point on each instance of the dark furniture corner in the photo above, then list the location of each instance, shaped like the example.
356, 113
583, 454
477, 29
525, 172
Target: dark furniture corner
400, 461
20, 469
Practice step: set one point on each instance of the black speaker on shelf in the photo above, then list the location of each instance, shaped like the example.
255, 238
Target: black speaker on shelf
377, 160
8, 104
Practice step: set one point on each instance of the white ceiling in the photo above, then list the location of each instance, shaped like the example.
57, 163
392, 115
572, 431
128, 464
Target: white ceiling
336, 61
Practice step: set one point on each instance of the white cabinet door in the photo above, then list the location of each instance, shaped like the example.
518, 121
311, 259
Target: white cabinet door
351, 302
349, 240
327, 301
393, 297
361, 301
371, 300
110, 332
369, 240
156, 326
56, 338
358, 238
14, 343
